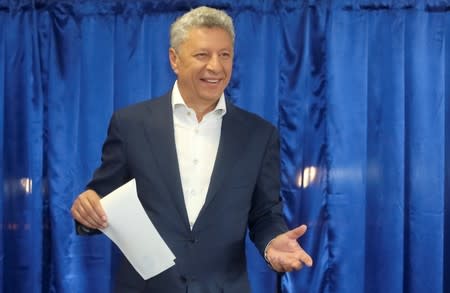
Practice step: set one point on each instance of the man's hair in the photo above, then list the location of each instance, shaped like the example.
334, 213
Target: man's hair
199, 17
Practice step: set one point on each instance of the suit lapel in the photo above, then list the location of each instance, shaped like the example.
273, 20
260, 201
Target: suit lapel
231, 139
159, 131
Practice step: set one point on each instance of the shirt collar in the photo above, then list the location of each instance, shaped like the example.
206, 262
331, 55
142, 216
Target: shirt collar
178, 101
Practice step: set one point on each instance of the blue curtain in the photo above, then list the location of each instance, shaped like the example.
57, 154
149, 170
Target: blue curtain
360, 92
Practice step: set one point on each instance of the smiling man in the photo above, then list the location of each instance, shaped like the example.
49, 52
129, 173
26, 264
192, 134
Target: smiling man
203, 65
205, 171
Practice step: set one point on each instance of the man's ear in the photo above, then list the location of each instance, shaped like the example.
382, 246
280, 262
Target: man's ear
173, 58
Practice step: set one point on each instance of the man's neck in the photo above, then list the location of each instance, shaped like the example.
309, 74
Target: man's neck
202, 110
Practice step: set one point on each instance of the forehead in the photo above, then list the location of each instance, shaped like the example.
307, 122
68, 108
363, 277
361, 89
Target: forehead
208, 36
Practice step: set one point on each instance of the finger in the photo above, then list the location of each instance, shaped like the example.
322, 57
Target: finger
296, 265
304, 257
88, 210
297, 232
76, 215
84, 217
85, 221
97, 207
283, 266
93, 219
285, 262
291, 265
276, 264
307, 260
278, 268
91, 223
299, 255
86, 213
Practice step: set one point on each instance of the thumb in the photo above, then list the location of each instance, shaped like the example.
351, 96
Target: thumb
297, 232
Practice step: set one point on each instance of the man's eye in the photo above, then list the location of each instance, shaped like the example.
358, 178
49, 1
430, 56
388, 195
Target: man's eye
201, 55
225, 55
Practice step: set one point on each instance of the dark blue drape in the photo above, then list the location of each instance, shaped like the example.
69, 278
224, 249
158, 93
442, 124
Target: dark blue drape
359, 89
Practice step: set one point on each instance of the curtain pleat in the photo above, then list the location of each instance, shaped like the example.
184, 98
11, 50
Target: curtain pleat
22, 224
302, 119
385, 132
347, 150
446, 77
3, 20
424, 151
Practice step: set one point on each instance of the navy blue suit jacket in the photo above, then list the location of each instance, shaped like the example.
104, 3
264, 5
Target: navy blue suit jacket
243, 193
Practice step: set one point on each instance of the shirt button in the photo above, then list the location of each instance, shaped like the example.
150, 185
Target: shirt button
196, 131
195, 161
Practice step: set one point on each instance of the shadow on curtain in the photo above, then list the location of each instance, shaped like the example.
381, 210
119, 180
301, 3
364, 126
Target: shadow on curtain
359, 90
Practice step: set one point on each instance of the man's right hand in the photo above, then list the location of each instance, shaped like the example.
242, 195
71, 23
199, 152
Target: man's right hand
88, 211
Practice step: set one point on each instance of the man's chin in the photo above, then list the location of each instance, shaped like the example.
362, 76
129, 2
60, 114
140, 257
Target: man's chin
212, 90
214, 97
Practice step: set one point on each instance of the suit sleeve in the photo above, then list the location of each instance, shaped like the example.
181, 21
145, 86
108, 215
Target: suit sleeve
266, 219
113, 171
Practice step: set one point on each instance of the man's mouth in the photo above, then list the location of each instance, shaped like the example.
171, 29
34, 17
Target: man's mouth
211, 81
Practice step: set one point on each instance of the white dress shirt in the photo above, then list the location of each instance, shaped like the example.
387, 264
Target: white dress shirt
196, 144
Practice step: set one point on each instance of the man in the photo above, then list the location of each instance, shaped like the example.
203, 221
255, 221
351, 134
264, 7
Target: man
205, 171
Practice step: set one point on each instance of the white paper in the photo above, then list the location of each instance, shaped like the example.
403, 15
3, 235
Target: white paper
132, 231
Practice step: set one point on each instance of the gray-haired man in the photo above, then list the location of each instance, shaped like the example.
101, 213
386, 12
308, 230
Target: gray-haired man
205, 171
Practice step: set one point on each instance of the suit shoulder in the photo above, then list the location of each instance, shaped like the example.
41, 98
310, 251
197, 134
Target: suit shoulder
139, 109
251, 118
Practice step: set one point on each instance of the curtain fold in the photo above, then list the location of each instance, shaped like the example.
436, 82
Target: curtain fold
425, 134
446, 77
385, 132
22, 154
347, 147
359, 90
302, 127
2, 135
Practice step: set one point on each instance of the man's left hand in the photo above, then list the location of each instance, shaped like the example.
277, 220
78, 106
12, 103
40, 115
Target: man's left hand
285, 254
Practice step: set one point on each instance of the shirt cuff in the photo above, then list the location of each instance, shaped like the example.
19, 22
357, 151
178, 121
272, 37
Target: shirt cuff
83, 230
265, 253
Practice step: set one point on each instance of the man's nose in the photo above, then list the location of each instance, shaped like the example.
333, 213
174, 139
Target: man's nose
214, 63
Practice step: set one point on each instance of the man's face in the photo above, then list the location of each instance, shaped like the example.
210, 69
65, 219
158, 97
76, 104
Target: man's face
203, 65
